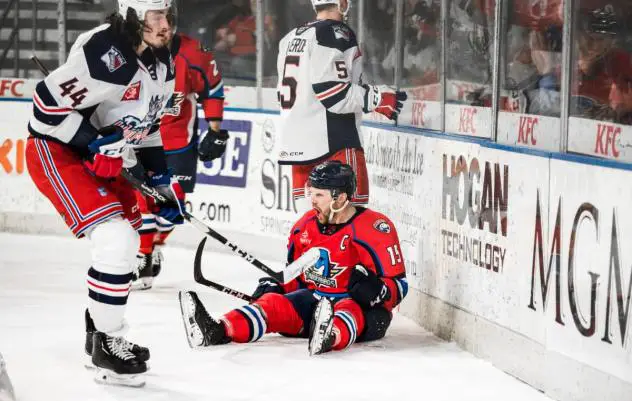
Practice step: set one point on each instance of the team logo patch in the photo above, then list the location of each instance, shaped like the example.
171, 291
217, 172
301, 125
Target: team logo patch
132, 92
136, 129
174, 104
324, 271
341, 32
113, 59
382, 226
102, 191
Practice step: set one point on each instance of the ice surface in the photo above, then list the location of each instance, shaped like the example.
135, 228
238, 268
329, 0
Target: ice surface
43, 295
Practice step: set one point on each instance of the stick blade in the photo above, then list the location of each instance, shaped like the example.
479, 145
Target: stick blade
306, 260
197, 263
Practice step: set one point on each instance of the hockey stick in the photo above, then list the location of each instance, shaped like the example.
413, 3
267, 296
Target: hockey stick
200, 279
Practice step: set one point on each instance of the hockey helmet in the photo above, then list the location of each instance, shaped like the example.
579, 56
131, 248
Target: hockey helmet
336, 2
335, 176
142, 6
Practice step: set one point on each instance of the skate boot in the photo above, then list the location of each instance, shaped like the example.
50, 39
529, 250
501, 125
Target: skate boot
321, 335
201, 329
141, 353
156, 260
115, 363
143, 276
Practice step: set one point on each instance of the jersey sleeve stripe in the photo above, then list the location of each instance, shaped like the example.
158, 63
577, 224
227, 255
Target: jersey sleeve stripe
48, 109
335, 98
328, 89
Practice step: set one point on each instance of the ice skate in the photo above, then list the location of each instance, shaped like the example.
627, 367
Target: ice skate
321, 336
201, 329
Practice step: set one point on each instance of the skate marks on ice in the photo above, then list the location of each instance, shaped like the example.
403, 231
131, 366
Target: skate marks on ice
43, 295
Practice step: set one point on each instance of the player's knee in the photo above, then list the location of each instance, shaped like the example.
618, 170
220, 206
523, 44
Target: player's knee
376, 323
114, 245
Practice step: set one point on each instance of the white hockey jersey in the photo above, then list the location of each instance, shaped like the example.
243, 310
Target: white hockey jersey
319, 68
104, 82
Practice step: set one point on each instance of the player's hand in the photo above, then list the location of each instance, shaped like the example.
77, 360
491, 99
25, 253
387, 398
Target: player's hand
170, 210
107, 153
366, 288
213, 145
266, 286
383, 100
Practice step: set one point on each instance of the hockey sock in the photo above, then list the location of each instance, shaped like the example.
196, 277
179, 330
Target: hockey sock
147, 233
165, 228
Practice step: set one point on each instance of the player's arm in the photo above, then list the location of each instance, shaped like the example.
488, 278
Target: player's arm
209, 86
379, 279
331, 67
64, 100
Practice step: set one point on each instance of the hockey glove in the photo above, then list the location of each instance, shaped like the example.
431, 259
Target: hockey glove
366, 288
213, 145
170, 210
107, 153
266, 286
383, 100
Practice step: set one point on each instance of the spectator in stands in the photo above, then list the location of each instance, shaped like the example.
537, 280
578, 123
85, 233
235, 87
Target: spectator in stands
601, 86
236, 42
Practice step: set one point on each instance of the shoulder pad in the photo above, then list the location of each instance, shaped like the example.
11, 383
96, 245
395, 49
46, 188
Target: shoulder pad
109, 59
335, 34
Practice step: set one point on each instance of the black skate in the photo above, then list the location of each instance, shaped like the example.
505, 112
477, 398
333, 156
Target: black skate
201, 329
115, 363
143, 275
141, 353
321, 335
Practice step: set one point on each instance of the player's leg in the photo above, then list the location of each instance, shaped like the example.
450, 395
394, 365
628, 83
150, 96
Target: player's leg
143, 274
91, 208
272, 313
183, 166
377, 320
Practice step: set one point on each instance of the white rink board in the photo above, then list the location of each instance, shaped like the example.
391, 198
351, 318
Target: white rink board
492, 281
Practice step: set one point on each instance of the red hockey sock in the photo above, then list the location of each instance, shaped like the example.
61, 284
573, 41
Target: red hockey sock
147, 242
348, 323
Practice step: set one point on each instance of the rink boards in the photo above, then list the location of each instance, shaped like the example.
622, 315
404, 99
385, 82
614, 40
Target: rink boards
520, 256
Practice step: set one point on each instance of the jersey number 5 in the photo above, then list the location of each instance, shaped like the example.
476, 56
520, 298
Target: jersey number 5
290, 81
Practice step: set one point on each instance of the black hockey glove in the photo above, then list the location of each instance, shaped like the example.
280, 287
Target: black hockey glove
213, 145
366, 288
266, 286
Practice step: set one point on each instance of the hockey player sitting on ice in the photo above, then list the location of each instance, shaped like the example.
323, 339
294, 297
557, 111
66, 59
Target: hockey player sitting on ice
198, 79
91, 117
347, 296
322, 98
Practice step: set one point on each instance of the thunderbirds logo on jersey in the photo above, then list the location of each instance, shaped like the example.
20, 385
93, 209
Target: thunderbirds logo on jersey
113, 59
174, 105
135, 129
324, 270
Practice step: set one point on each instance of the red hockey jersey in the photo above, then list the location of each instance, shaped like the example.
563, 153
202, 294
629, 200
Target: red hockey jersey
197, 80
369, 238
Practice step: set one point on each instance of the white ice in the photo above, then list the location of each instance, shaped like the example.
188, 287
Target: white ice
43, 295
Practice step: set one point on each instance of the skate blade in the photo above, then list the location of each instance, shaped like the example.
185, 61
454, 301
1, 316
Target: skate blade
104, 376
324, 326
191, 329
87, 362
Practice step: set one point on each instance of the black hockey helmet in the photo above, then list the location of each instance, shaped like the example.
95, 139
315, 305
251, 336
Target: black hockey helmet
335, 176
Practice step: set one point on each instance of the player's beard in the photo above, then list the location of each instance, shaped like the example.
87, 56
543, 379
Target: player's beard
323, 218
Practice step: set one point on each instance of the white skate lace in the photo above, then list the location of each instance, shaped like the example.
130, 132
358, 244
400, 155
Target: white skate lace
120, 347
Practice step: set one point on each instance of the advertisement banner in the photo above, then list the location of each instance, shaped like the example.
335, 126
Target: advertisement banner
533, 131
600, 138
581, 274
